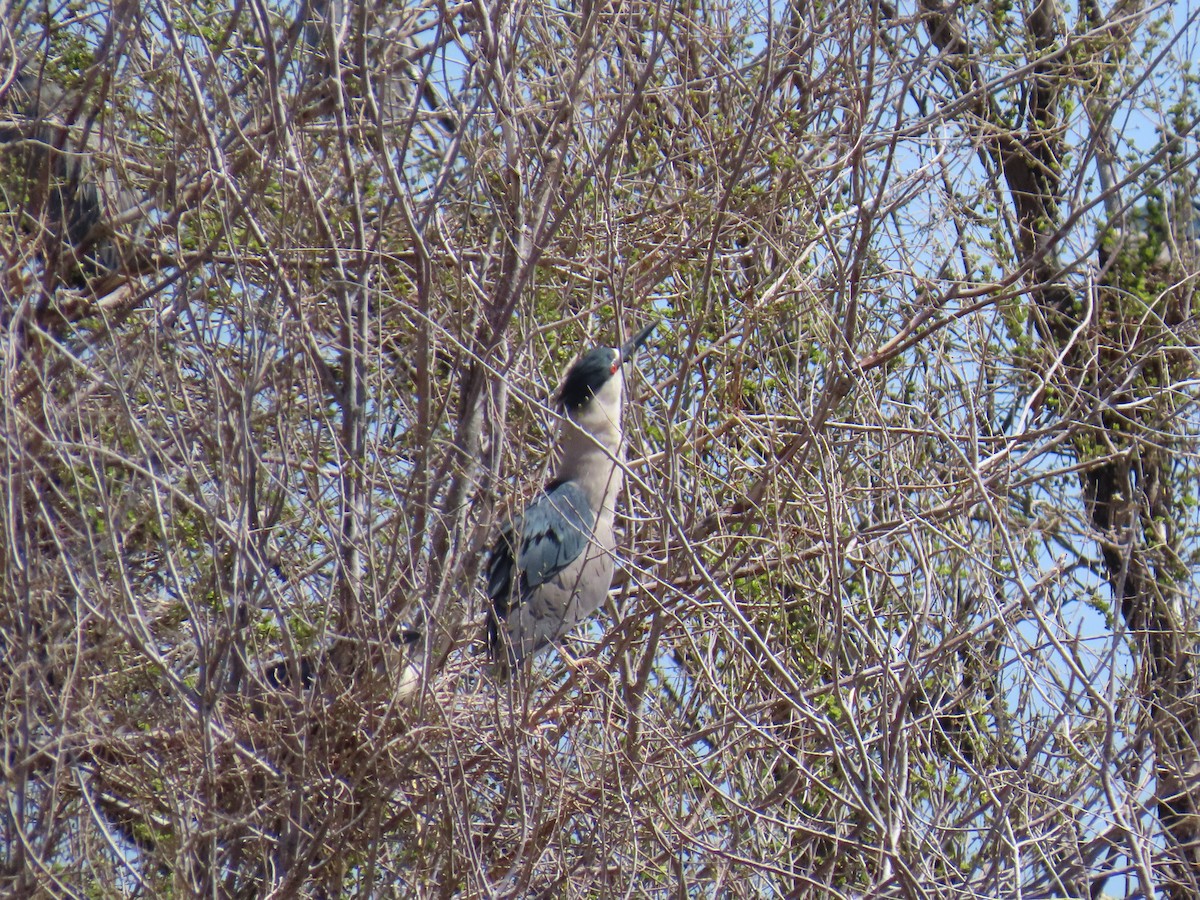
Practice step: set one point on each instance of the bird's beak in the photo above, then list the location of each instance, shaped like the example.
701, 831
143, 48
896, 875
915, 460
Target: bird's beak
632, 345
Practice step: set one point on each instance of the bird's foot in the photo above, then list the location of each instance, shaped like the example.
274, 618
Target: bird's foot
580, 667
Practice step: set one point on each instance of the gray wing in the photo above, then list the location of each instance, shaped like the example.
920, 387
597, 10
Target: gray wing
552, 534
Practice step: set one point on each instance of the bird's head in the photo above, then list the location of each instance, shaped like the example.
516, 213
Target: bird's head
596, 380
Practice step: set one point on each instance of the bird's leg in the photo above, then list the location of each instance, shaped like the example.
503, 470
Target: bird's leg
579, 666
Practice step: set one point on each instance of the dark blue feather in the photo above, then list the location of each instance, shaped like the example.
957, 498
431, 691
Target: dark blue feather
536, 546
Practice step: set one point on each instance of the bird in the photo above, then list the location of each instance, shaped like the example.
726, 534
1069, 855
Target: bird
551, 567
56, 177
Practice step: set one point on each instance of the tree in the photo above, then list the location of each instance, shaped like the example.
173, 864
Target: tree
909, 549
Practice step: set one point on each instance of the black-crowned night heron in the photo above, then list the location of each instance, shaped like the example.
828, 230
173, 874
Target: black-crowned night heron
55, 181
552, 566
